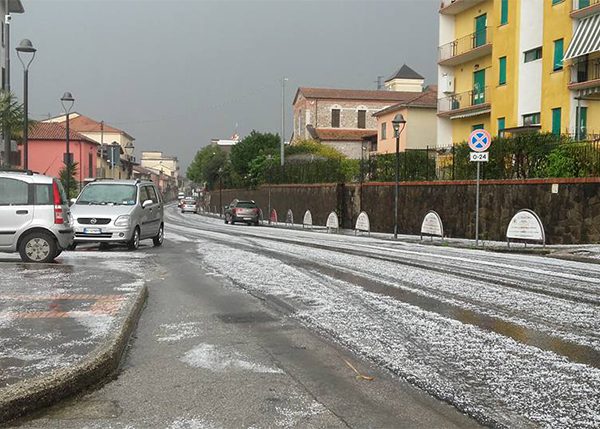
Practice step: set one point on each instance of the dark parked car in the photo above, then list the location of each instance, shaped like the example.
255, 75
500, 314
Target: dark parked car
242, 211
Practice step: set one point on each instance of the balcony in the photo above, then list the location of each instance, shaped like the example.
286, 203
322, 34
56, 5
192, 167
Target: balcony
585, 74
467, 48
454, 7
464, 104
583, 8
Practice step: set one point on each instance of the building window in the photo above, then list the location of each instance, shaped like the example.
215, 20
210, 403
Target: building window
533, 55
90, 165
480, 31
362, 119
477, 127
335, 118
531, 119
556, 2
502, 73
504, 12
556, 125
558, 54
383, 131
501, 126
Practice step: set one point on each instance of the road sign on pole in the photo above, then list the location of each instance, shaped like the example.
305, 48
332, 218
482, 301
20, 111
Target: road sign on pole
479, 142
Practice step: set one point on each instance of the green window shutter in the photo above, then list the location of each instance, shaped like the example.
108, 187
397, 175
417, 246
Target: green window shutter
556, 1
558, 54
581, 131
502, 74
477, 127
504, 12
583, 3
501, 124
556, 125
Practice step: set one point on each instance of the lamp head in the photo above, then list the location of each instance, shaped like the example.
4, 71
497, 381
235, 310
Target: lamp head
26, 46
67, 101
397, 121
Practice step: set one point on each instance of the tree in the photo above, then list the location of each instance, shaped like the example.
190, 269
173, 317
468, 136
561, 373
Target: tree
210, 166
72, 175
252, 146
12, 115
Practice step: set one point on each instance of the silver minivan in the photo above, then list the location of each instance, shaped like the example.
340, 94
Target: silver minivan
34, 216
118, 211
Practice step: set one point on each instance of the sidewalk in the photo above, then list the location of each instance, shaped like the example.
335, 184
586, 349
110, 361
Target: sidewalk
576, 252
64, 326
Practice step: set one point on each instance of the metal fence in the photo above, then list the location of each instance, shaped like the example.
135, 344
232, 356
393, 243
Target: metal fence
519, 157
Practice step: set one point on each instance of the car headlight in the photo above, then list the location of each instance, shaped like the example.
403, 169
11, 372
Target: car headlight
123, 220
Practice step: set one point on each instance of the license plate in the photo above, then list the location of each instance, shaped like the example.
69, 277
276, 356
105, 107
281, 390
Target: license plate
92, 231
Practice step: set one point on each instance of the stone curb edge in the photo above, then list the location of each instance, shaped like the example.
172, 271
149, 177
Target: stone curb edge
29, 395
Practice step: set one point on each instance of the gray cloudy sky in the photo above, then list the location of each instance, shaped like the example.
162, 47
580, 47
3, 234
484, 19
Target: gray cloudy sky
176, 73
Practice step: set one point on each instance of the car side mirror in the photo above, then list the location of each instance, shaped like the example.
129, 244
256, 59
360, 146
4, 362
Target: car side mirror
147, 203
226, 207
73, 201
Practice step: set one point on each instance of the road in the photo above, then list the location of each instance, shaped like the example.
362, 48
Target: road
252, 327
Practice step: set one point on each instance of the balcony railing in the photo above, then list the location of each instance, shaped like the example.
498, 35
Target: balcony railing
464, 100
585, 71
582, 4
465, 45
584, 8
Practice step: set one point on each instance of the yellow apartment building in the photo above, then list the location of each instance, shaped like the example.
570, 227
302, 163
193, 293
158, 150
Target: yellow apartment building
511, 66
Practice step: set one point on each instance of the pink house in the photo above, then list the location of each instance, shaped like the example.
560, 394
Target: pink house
47, 149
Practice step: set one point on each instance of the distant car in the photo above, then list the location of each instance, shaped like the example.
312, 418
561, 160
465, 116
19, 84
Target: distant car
242, 211
34, 216
189, 205
119, 211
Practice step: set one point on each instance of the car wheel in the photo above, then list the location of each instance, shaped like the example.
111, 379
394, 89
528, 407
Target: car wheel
134, 243
38, 247
256, 223
158, 240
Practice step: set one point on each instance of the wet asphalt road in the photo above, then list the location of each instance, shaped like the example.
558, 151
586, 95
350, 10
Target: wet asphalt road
210, 352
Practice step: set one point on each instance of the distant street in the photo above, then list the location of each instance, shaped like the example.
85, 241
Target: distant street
256, 327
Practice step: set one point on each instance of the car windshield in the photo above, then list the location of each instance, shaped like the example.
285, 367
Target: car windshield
109, 194
246, 205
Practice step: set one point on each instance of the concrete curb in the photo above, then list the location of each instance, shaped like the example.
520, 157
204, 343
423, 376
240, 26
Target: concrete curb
29, 395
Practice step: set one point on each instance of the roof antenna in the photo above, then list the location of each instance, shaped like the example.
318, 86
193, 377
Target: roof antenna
379, 82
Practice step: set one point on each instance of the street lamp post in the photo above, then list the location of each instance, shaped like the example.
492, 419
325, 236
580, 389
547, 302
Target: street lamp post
26, 47
67, 102
282, 148
397, 122
129, 147
220, 191
270, 160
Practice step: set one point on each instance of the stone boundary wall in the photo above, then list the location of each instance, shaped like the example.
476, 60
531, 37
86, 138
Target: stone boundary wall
570, 216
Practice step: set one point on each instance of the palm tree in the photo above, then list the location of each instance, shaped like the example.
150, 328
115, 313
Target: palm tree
12, 116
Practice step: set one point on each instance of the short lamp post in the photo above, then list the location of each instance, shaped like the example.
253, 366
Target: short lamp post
67, 102
220, 191
398, 123
129, 148
26, 53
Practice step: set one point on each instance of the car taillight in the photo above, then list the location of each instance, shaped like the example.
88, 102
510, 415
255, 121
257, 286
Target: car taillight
255, 210
58, 211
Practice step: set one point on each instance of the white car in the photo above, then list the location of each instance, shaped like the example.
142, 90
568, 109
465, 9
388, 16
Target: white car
34, 216
118, 211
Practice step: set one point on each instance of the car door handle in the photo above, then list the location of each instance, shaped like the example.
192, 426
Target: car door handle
22, 212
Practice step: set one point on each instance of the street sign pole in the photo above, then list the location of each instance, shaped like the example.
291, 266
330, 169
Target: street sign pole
477, 209
479, 141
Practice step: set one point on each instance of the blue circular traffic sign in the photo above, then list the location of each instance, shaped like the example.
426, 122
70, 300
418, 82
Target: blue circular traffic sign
480, 140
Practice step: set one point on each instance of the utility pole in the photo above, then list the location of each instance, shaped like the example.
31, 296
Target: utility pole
282, 151
6, 83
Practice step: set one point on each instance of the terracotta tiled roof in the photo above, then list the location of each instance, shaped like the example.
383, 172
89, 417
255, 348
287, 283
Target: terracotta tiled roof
357, 94
342, 134
54, 131
85, 124
426, 100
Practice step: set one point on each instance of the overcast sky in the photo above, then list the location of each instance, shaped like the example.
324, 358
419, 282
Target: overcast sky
176, 73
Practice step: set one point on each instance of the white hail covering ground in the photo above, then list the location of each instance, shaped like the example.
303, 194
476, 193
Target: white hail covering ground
491, 376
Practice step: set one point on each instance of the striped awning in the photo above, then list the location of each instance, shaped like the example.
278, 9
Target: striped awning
586, 38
